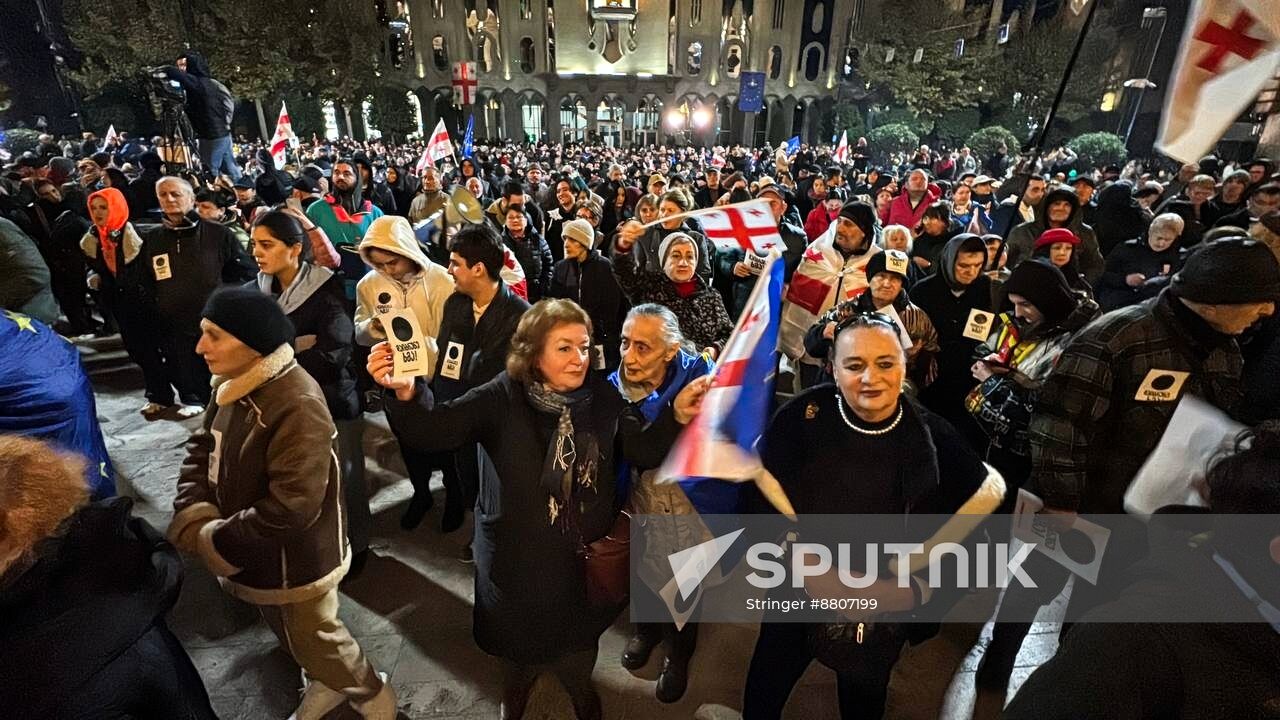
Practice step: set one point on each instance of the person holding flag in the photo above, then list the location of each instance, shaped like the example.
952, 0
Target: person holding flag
860, 447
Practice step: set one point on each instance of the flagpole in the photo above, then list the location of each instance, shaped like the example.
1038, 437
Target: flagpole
1066, 77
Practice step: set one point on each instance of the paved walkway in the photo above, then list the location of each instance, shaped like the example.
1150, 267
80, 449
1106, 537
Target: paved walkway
411, 610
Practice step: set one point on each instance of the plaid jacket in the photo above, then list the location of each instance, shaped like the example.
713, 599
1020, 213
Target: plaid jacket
1090, 433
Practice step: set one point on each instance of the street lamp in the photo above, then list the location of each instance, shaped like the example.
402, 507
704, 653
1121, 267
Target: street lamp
701, 118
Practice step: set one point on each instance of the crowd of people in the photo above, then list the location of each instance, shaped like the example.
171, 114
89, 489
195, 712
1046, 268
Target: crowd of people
955, 329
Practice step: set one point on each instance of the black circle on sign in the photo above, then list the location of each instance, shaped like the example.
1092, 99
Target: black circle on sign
980, 318
454, 352
384, 298
160, 261
401, 329
1163, 382
1077, 546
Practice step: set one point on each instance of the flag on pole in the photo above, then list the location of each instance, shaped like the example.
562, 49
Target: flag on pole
1230, 49
751, 92
720, 443
464, 82
111, 135
438, 147
468, 138
282, 138
841, 155
746, 226
793, 145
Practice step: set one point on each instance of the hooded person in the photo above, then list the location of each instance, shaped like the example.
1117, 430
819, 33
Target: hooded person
112, 248
1060, 208
57, 227
345, 216
210, 108
1118, 217
258, 500
374, 190
957, 299
273, 186
831, 271
143, 204
404, 279
586, 277
887, 274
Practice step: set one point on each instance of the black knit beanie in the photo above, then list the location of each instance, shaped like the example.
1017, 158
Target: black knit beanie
251, 316
862, 215
1044, 286
1231, 271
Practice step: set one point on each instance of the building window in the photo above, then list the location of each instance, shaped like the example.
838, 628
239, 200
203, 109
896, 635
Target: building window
551, 38
645, 124
695, 12
779, 13
526, 9
417, 114
573, 120
815, 21
440, 53
850, 62
531, 110
775, 62
526, 55
609, 117
493, 118
693, 64
812, 62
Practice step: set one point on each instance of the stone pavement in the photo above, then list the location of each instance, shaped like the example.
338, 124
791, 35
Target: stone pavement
411, 609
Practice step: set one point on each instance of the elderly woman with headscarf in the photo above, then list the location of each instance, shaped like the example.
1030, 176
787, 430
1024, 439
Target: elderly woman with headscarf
84, 591
700, 309
557, 436
647, 241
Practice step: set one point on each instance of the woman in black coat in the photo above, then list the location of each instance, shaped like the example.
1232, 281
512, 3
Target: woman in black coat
556, 435
1140, 268
84, 590
314, 300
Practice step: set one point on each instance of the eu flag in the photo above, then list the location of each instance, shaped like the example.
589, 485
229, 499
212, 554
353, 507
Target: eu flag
468, 139
751, 93
793, 145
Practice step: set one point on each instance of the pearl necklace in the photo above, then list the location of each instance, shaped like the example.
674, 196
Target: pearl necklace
843, 416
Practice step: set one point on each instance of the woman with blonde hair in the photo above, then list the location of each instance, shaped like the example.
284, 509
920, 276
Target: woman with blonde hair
557, 435
84, 590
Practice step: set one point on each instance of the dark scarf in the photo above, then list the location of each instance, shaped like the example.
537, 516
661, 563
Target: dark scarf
573, 458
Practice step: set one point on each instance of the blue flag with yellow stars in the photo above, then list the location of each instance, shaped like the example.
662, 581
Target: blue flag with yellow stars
44, 393
751, 92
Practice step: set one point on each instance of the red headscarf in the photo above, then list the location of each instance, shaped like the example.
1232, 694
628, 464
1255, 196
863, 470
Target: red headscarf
117, 216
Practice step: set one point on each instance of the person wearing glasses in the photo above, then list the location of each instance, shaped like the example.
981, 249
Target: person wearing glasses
859, 447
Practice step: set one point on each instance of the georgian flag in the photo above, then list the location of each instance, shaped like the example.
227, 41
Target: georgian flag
282, 139
438, 148
746, 225
841, 155
1230, 49
823, 279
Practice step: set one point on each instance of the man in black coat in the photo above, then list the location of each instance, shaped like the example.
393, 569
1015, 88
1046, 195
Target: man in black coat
475, 333
189, 259
1262, 200
143, 205
586, 277
957, 299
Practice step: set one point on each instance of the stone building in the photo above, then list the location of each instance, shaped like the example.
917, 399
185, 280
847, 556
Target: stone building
626, 71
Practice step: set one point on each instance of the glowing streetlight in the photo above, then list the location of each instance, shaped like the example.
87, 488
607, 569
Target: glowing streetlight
701, 118
675, 119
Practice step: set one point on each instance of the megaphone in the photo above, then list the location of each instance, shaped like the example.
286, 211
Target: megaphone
463, 207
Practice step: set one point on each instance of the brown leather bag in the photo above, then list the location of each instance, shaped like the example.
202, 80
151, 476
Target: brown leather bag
607, 563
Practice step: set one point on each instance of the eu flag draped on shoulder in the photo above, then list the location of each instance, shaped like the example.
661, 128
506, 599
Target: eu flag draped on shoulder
45, 394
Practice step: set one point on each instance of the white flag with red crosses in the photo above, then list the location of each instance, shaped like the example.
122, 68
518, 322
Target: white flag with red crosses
1230, 49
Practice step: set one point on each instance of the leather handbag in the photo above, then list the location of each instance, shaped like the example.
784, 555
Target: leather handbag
607, 564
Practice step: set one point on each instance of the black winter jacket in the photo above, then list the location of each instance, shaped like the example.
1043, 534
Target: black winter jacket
534, 256
592, 285
1136, 256
484, 344
209, 103
201, 256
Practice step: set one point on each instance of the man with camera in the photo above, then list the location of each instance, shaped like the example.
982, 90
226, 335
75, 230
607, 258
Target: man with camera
209, 107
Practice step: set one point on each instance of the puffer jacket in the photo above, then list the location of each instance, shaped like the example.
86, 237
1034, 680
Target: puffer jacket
1022, 239
534, 256
259, 494
377, 293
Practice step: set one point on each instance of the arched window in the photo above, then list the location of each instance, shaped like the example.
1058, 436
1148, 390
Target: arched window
815, 21
440, 53
695, 12
693, 64
609, 116
779, 13
493, 118
775, 62
531, 111
812, 62
573, 119
527, 58
647, 118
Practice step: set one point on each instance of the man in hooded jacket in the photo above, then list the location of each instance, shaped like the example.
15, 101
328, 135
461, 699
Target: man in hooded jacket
345, 216
210, 107
957, 299
1060, 208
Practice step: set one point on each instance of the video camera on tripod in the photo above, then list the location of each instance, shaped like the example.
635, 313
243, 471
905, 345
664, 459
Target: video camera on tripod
169, 103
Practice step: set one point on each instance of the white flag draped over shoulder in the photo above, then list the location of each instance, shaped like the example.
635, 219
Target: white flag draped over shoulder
283, 137
1230, 49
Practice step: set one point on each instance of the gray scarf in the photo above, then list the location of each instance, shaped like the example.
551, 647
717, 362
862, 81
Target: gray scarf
310, 278
572, 461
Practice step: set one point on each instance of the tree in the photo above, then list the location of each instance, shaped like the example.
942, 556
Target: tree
984, 143
342, 41
119, 39
1099, 149
391, 112
845, 116
955, 126
1036, 61
940, 82
889, 139
20, 140
305, 114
